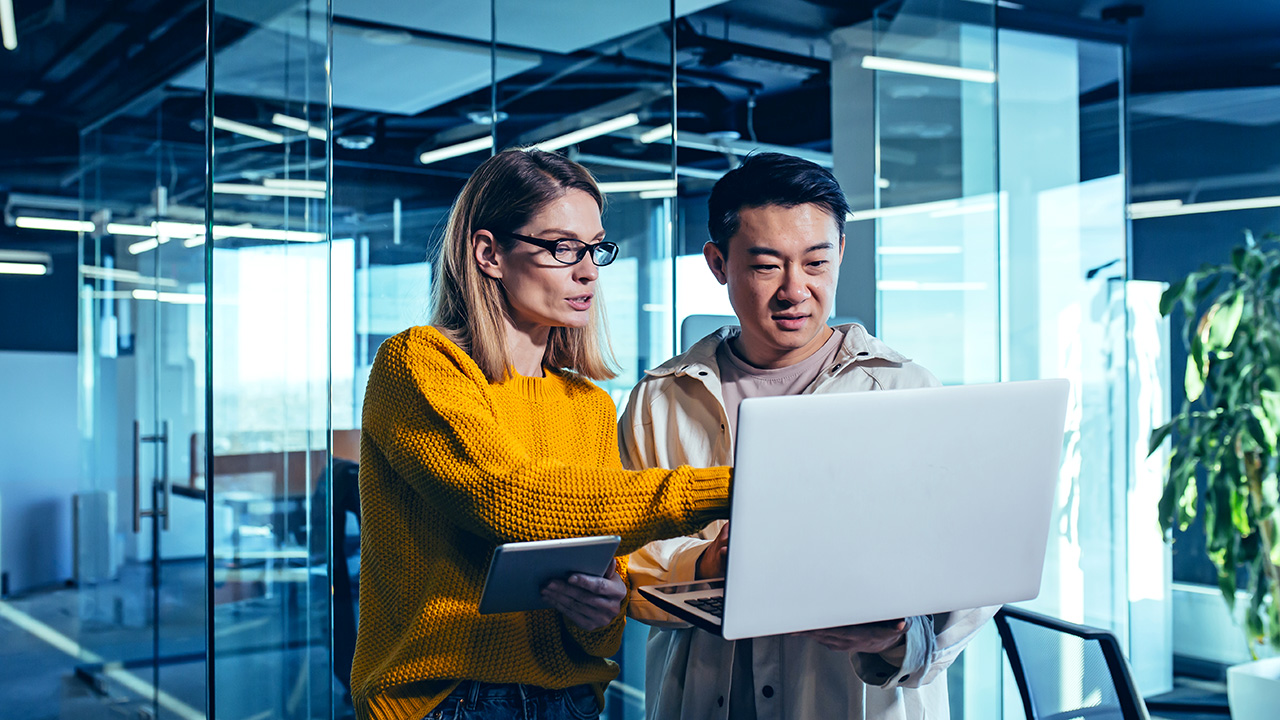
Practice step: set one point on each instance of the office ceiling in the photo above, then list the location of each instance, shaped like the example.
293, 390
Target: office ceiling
745, 66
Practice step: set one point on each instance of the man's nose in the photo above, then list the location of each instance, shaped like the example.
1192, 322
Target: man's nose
794, 290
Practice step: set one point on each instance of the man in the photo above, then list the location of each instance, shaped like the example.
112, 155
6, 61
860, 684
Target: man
777, 238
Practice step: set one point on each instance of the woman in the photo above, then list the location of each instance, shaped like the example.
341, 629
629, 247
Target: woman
483, 429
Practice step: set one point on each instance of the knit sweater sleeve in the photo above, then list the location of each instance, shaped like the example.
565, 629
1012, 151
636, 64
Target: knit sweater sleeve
427, 411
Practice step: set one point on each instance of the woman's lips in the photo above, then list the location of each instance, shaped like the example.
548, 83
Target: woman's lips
580, 303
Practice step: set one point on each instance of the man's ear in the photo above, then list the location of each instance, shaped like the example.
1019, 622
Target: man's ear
841, 256
716, 261
486, 254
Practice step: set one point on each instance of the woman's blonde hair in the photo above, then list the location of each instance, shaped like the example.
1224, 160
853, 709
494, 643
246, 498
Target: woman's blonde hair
469, 307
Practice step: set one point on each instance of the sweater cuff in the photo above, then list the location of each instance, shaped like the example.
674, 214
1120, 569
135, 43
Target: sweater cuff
709, 494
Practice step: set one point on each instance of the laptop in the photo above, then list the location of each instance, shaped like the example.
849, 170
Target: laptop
860, 507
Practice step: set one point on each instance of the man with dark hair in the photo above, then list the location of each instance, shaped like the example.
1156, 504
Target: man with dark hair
777, 239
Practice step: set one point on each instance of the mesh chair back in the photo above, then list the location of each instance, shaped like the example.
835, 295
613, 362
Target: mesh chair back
1066, 671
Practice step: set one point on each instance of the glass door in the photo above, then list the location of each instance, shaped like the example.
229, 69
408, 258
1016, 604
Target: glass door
139, 525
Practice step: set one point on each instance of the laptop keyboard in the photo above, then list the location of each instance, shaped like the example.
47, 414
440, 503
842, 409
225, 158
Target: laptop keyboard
713, 606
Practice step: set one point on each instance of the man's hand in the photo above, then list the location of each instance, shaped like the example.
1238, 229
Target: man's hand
871, 638
711, 561
586, 601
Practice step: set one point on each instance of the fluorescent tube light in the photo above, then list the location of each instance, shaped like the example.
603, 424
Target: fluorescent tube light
129, 276
1167, 208
935, 209
658, 194
247, 189
247, 130
127, 229
629, 186
193, 241
287, 184
43, 223
8, 28
462, 148
912, 67
143, 246
17, 268
300, 125
169, 297
589, 132
656, 134
25, 262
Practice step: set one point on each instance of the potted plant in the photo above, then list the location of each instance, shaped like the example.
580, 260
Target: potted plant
1227, 432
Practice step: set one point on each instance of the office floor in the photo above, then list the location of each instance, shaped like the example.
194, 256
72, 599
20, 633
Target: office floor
53, 645
67, 654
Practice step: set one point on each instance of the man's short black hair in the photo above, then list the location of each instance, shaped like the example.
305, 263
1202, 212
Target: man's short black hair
772, 179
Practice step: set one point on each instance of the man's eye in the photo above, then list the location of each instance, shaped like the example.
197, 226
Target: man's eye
818, 263
764, 267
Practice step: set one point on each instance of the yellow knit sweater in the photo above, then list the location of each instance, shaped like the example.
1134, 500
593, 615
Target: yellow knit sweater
450, 467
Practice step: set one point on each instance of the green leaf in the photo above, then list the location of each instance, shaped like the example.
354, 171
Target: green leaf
1261, 429
1227, 584
1237, 258
1187, 503
1173, 294
1222, 327
1275, 558
1240, 511
1271, 406
1158, 436
1194, 382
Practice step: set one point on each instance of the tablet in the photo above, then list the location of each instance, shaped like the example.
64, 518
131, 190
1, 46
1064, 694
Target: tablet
519, 570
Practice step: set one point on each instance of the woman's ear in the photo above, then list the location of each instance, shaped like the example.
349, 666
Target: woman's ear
488, 258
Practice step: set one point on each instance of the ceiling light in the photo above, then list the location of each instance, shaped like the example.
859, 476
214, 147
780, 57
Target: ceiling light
128, 276
248, 189
589, 132
637, 186
24, 262
128, 229
1167, 208
286, 184
936, 209
911, 67
658, 194
656, 134
463, 148
143, 246
300, 125
355, 141
43, 223
484, 117
194, 241
8, 29
247, 130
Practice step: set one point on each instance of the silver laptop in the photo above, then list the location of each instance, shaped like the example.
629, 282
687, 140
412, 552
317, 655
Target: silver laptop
859, 507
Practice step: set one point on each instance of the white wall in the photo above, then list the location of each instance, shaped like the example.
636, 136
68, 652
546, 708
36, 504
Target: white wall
39, 466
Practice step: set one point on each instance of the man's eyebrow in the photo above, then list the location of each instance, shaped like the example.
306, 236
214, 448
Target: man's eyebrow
760, 250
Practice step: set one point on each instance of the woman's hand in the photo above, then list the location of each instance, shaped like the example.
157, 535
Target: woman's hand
586, 601
871, 638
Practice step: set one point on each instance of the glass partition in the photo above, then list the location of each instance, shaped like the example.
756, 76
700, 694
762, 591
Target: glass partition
269, 260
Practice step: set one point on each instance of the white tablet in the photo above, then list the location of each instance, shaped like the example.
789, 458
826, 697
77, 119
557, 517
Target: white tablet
519, 570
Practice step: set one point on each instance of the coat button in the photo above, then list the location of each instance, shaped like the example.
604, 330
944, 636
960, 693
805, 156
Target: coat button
767, 691
720, 701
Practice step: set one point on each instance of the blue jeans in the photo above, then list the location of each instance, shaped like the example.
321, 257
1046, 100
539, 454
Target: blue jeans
474, 700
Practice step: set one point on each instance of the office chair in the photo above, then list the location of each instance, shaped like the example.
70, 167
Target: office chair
1066, 671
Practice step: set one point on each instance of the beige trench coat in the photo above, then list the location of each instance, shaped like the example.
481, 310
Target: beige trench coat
676, 416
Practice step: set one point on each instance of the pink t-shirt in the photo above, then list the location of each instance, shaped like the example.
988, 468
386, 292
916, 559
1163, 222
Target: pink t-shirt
739, 380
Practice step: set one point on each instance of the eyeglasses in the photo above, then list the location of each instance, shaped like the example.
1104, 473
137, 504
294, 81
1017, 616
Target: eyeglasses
571, 252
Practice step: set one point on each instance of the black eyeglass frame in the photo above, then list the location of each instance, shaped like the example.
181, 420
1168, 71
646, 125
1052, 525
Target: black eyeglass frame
587, 248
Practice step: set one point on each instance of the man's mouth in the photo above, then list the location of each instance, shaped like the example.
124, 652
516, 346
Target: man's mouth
791, 321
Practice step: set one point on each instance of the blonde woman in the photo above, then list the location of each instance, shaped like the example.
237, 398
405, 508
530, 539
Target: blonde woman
485, 428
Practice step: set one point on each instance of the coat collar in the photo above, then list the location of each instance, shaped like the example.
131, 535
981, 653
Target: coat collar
858, 345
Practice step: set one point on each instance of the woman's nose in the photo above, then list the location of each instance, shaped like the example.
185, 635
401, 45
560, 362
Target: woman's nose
585, 270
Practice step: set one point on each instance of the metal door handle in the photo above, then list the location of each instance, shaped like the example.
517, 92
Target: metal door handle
155, 512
